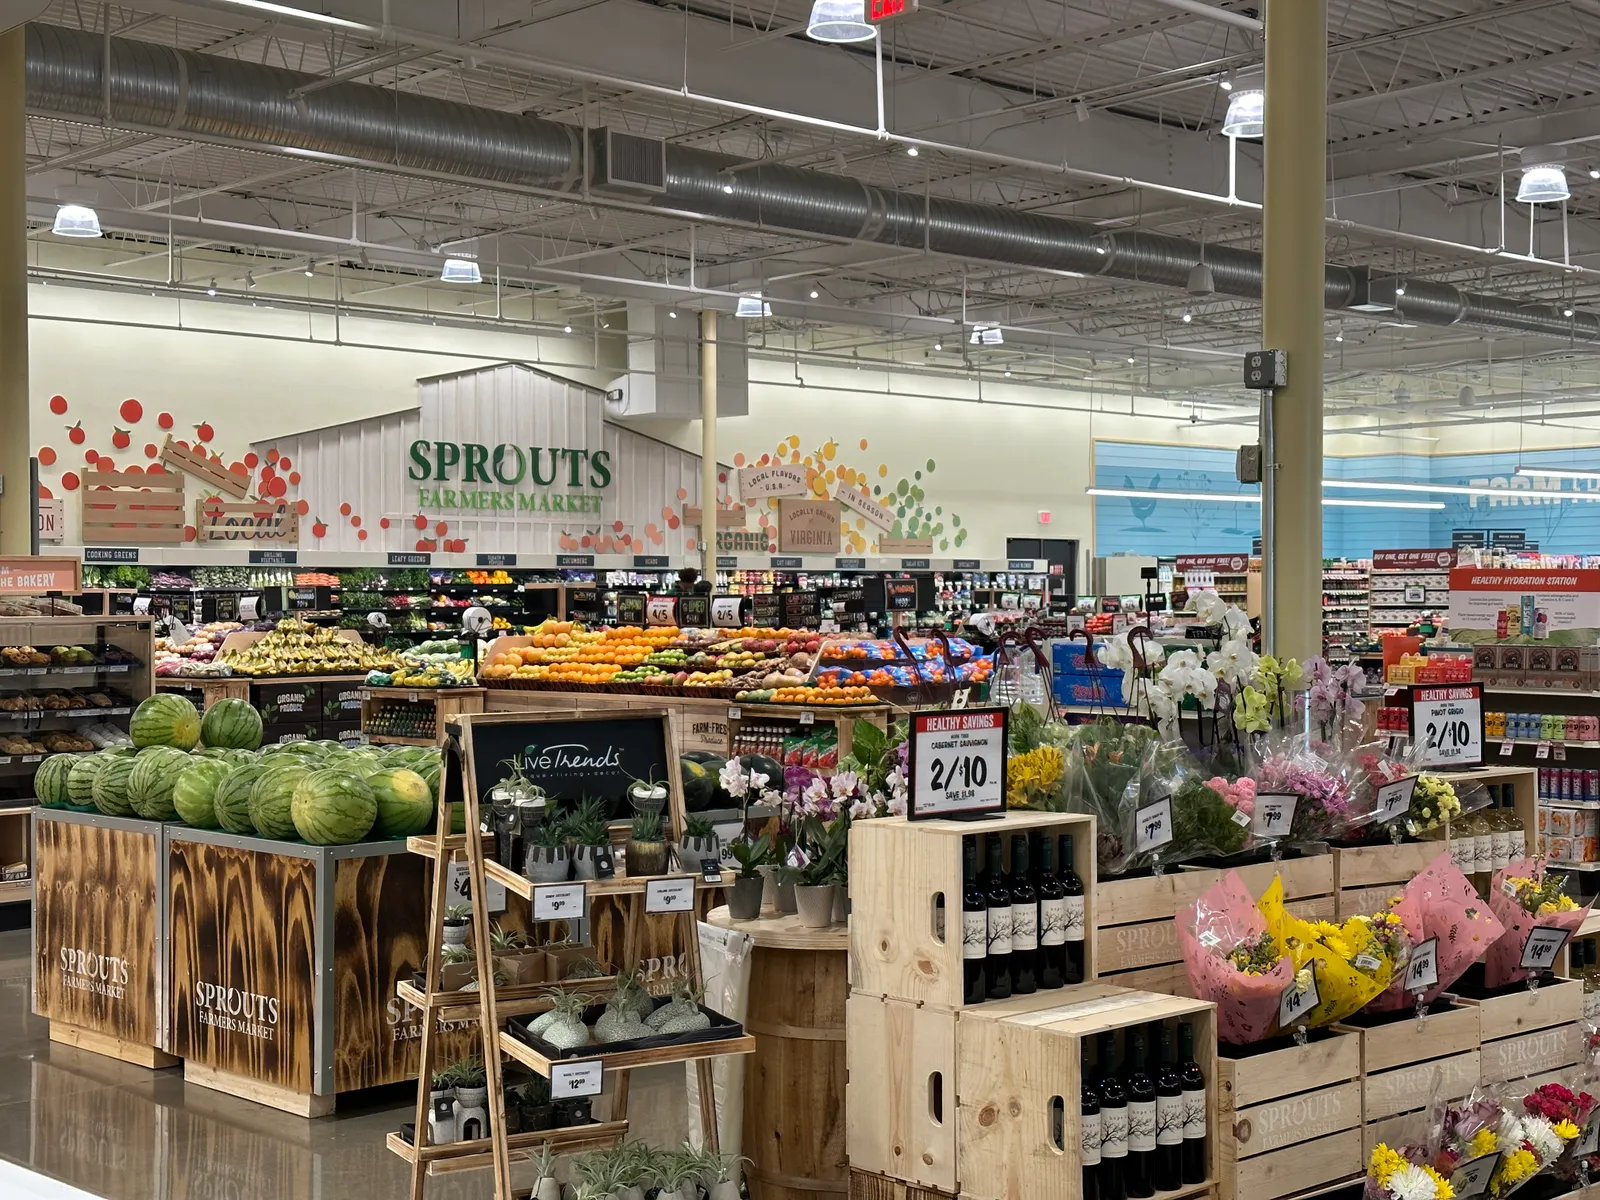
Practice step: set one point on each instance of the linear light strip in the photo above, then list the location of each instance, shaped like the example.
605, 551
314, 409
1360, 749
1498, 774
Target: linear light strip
1247, 498
1452, 489
1553, 474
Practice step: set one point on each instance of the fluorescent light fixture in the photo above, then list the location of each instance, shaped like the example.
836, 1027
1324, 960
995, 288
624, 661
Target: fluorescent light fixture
566, 329
310, 269
1544, 176
1430, 505
1247, 498
939, 345
986, 333
460, 270
300, 14
1452, 489
751, 304
1553, 474
672, 314
1568, 311
839, 21
1247, 113
1187, 316
1226, 83
1594, 172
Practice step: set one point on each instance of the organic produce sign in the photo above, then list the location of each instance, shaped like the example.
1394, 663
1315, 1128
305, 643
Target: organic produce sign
574, 759
958, 763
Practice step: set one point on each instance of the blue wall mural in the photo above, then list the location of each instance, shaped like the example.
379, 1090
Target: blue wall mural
1187, 526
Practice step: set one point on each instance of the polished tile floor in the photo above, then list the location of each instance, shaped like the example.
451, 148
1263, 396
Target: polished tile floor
124, 1133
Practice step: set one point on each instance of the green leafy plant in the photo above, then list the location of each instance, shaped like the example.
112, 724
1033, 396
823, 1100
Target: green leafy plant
751, 854
588, 825
699, 826
646, 828
458, 912
444, 1078
551, 834
469, 1072
827, 845
675, 1168
544, 1162
1203, 821
504, 941
456, 954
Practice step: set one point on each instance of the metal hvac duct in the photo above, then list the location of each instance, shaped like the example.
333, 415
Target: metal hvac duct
206, 97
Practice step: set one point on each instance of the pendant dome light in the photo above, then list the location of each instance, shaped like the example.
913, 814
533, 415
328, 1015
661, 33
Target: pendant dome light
76, 218
1544, 176
839, 21
1247, 107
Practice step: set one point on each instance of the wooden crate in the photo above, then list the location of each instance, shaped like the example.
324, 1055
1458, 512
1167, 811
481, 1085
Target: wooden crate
203, 693
1529, 1033
124, 508
284, 961
1015, 1060
1365, 877
1290, 1118
1404, 1064
900, 1091
99, 934
866, 1186
905, 900
447, 703
198, 463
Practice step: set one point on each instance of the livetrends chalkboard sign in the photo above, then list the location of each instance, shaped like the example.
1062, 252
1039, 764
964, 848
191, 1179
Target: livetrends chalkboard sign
574, 759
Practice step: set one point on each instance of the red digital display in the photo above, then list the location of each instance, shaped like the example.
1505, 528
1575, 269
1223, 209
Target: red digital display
883, 10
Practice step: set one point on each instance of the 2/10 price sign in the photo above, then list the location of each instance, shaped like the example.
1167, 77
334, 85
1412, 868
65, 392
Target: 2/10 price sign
958, 763
1448, 723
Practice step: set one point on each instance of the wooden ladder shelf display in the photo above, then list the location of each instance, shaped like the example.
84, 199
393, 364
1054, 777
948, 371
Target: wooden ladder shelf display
477, 746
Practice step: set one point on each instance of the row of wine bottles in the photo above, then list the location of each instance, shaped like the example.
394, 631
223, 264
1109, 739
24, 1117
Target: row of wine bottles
1143, 1133
1022, 929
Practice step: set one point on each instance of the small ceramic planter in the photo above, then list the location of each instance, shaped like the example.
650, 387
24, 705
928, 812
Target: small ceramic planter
728, 1189
786, 898
548, 1188
472, 1113
744, 901
547, 864
693, 852
815, 904
647, 858
584, 859
456, 931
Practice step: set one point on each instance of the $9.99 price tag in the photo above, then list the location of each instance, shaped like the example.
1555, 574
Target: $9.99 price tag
958, 763
569, 1079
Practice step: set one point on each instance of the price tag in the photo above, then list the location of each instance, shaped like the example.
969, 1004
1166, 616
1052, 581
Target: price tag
807, 717
1152, 825
1506, 747
559, 902
958, 762
1294, 1005
1472, 1179
1273, 815
1422, 972
1448, 721
1239, 819
461, 888
727, 612
1542, 750
1543, 944
569, 1079
735, 712
669, 895
1119, 625
711, 870
1394, 799
1589, 1140
959, 700
1560, 753
1075, 622
661, 610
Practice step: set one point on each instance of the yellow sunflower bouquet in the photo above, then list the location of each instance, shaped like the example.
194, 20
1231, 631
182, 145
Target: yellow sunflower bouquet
1354, 959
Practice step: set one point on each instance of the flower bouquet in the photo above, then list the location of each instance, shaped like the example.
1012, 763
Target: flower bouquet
1211, 816
1464, 1130
1392, 1175
1322, 808
1535, 1134
1569, 1113
1235, 961
1526, 897
1105, 763
1354, 961
1442, 903
1333, 702
1034, 778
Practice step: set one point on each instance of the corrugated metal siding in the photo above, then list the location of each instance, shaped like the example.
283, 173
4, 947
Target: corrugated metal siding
364, 464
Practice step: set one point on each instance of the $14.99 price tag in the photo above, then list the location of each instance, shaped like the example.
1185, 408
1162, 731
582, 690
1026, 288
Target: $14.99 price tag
1422, 972
1295, 1005
461, 889
1543, 944
958, 763
569, 1079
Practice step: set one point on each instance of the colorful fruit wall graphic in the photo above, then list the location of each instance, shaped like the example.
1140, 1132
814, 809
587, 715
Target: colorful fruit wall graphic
905, 497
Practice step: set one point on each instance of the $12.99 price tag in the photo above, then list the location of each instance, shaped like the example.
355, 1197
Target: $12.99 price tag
569, 1079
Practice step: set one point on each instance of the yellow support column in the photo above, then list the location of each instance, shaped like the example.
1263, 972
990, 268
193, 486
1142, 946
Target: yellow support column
16, 503
1292, 318
708, 445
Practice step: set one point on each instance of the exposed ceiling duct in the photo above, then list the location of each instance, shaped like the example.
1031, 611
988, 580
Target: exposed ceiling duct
159, 89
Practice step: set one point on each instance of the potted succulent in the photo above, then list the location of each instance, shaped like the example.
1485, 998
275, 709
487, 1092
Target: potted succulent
514, 958
457, 924
698, 843
744, 901
719, 1173
647, 846
533, 1098
442, 1106
591, 837
472, 1097
647, 796
547, 859
675, 1173
544, 1165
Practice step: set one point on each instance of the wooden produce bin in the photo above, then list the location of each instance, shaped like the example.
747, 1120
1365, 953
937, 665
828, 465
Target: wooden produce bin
100, 934
903, 944
203, 693
444, 704
1530, 1034
1290, 1118
284, 962
1404, 1065
794, 1128
864, 1185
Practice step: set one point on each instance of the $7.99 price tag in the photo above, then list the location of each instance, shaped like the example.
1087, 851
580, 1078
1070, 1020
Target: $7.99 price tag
1152, 825
1394, 799
1274, 814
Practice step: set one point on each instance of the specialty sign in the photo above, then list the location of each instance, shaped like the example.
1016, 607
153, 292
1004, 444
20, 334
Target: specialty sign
958, 763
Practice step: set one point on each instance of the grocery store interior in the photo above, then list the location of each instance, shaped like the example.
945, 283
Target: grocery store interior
546, 545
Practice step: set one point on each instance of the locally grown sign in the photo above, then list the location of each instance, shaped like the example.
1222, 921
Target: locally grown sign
808, 526
259, 522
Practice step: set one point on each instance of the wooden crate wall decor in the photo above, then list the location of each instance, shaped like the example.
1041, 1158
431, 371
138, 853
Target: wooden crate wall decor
201, 465
98, 930
123, 508
258, 521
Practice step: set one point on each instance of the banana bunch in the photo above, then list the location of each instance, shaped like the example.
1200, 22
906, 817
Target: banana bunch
298, 648
435, 674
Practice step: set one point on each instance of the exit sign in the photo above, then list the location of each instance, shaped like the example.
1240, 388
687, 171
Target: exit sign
884, 10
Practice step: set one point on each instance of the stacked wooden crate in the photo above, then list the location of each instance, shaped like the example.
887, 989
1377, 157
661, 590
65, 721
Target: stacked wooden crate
1366, 877
1405, 1063
979, 1101
1532, 1034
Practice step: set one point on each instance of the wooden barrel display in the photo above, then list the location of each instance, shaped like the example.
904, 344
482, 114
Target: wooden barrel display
794, 1127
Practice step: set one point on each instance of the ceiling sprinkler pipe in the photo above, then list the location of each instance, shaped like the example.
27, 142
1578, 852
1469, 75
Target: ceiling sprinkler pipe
1212, 13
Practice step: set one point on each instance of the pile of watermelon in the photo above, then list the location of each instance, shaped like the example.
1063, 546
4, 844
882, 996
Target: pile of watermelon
213, 773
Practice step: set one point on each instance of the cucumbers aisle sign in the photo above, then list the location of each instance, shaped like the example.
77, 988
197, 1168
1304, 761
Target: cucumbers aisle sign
504, 459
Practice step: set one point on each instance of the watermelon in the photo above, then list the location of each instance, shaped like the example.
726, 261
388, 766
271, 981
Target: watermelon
165, 719
80, 779
194, 795
150, 784
50, 784
405, 802
700, 782
333, 808
111, 787
270, 798
231, 800
761, 764
231, 724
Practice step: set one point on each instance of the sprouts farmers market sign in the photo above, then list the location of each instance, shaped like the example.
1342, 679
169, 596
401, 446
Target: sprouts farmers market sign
549, 482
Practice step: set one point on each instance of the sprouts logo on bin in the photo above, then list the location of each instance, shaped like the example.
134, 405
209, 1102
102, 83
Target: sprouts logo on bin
550, 482
237, 1011
86, 971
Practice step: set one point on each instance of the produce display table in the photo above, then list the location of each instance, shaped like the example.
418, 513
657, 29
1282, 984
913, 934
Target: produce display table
284, 961
204, 692
422, 712
794, 1127
100, 934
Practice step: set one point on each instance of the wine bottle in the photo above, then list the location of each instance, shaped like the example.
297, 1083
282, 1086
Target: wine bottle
998, 962
1194, 1108
1052, 919
1072, 891
1090, 1126
1113, 1123
1139, 1172
1024, 920
974, 927
1169, 1116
